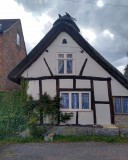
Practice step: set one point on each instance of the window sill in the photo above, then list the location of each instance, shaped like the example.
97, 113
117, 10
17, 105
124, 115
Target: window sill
74, 110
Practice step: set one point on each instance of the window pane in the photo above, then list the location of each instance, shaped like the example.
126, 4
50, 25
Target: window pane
69, 55
117, 104
65, 100
69, 66
125, 104
18, 39
60, 55
75, 100
85, 101
61, 66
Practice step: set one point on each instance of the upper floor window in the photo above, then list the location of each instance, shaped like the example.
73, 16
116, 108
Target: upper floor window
120, 104
75, 100
18, 39
65, 64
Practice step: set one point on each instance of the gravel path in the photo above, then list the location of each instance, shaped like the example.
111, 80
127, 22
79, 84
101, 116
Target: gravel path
64, 151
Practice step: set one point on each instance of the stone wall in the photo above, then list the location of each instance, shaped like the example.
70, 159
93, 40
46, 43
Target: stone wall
84, 130
121, 121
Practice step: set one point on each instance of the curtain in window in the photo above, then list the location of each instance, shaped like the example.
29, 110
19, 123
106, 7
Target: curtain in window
85, 101
117, 103
125, 104
65, 100
69, 66
61, 66
75, 100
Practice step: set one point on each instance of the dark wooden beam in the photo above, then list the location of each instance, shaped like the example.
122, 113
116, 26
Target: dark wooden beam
74, 83
40, 94
58, 95
93, 102
77, 89
48, 67
40, 88
69, 77
77, 117
111, 102
57, 87
102, 102
82, 69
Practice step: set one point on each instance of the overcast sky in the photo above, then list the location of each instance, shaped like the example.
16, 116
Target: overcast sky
103, 23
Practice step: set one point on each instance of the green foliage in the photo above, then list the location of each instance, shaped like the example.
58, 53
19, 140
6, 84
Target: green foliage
12, 116
87, 138
61, 138
51, 108
35, 129
64, 117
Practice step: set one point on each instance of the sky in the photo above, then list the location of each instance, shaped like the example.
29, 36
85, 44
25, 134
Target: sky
103, 23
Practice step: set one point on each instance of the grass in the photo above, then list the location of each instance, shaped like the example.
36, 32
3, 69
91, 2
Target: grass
66, 139
94, 138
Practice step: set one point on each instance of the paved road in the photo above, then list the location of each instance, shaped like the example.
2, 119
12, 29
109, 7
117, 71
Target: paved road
64, 151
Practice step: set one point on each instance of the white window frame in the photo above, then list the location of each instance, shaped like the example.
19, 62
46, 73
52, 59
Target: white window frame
65, 63
80, 101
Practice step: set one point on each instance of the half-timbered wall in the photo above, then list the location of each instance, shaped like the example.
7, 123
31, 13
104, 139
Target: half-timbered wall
88, 76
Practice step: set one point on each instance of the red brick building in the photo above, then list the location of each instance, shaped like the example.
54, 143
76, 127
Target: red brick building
12, 50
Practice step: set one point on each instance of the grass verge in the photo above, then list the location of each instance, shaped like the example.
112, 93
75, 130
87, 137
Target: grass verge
66, 139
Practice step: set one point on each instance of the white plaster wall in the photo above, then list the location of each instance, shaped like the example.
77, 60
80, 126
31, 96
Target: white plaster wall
66, 83
92, 68
49, 86
85, 118
118, 89
33, 89
101, 91
83, 84
37, 69
103, 114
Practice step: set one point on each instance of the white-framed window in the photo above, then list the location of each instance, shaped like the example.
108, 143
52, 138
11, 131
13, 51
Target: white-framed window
75, 100
18, 39
65, 64
120, 104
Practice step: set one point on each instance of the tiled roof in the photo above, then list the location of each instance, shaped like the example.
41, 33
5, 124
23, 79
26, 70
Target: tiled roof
6, 24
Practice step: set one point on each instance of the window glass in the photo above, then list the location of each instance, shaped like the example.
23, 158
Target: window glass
60, 66
75, 100
69, 55
69, 66
125, 104
117, 103
85, 101
65, 100
60, 55
18, 39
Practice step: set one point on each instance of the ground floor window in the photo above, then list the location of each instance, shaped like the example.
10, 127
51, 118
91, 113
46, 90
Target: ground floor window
75, 100
120, 104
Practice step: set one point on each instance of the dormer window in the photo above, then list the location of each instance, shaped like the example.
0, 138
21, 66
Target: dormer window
65, 63
18, 39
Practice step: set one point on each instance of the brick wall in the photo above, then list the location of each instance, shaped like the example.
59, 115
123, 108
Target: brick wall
11, 54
